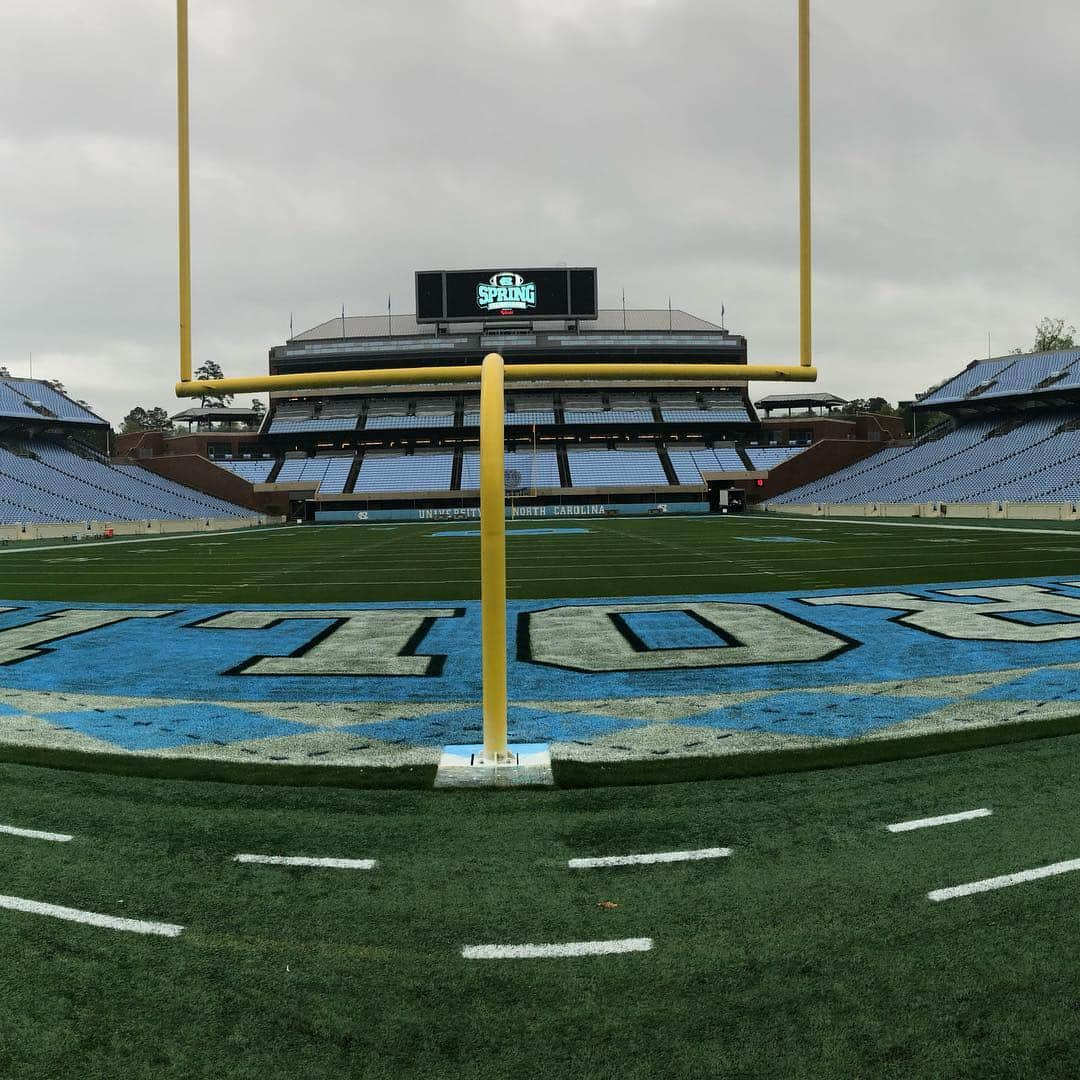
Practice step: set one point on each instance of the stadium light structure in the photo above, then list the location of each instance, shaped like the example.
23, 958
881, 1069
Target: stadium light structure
492, 373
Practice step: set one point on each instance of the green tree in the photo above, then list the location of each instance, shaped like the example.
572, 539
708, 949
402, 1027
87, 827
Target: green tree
140, 419
1050, 336
210, 369
869, 405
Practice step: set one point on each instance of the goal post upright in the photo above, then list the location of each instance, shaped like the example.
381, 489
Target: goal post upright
183, 157
493, 559
805, 249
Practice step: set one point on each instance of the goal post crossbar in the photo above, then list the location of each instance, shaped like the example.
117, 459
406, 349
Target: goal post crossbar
470, 373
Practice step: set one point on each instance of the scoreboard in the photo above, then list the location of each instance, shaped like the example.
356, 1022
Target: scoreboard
530, 293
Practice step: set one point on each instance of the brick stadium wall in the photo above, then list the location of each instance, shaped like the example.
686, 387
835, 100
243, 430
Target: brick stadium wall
813, 463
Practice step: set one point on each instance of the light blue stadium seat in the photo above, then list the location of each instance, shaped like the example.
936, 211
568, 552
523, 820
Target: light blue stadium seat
615, 468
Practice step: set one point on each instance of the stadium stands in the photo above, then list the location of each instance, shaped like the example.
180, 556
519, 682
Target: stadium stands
615, 468
1010, 376
43, 481
255, 472
329, 472
767, 457
523, 470
31, 399
1022, 458
689, 464
400, 473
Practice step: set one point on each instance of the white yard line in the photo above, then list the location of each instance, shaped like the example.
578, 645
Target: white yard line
654, 857
78, 545
871, 523
570, 948
305, 860
1003, 882
90, 918
941, 819
34, 834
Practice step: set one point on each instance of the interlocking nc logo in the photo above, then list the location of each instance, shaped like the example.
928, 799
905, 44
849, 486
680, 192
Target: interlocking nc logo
506, 292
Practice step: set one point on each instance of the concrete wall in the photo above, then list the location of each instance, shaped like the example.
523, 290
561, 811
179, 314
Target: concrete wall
1068, 511
88, 530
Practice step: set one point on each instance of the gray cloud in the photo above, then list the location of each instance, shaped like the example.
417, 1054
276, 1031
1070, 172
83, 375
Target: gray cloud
337, 147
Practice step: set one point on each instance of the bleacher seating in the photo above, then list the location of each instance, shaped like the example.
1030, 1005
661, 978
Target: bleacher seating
1028, 458
328, 471
615, 468
603, 417
690, 464
255, 472
43, 481
300, 426
715, 408
395, 472
31, 399
1010, 376
766, 457
539, 470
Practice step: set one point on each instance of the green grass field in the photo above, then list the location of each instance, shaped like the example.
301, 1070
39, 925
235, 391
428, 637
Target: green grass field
812, 952
626, 557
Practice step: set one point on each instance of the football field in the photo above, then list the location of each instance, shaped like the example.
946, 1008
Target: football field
545, 559
763, 926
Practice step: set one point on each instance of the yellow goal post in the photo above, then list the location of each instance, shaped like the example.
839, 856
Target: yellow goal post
492, 373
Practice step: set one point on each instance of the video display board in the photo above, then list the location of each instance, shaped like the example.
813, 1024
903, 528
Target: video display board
491, 295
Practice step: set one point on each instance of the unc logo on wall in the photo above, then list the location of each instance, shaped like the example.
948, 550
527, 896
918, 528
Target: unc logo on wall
506, 291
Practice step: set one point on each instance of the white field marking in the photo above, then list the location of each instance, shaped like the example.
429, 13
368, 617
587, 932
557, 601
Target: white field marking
941, 819
570, 948
261, 530
305, 860
655, 857
1003, 882
35, 834
91, 918
864, 522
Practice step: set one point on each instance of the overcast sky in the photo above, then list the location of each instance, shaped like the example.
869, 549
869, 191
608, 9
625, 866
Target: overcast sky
337, 146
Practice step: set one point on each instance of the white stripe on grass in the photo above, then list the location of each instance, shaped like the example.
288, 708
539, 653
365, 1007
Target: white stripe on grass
941, 819
35, 834
654, 857
306, 860
90, 918
1003, 882
543, 952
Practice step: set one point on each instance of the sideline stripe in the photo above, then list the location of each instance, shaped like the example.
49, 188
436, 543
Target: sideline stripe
570, 948
77, 545
655, 857
1005, 880
304, 860
91, 918
875, 522
942, 819
34, 834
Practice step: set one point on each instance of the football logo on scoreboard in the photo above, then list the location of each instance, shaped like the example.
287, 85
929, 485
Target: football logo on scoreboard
506, 291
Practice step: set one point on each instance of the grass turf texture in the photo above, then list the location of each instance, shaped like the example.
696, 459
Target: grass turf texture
626, 557
812, 952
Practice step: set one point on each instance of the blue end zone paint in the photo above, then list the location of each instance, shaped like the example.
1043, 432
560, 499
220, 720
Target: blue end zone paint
509, 532
165, 727
672, 630
171, 658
